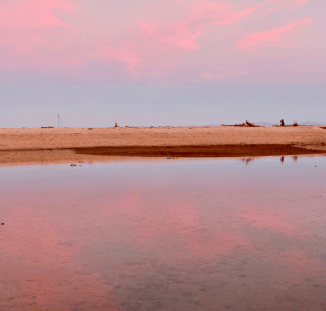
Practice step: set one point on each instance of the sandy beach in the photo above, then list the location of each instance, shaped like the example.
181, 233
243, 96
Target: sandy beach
62, 145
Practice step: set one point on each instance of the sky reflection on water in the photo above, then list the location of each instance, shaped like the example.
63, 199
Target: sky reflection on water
182, 234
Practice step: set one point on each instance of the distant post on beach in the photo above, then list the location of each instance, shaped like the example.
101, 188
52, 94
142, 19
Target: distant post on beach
59, 120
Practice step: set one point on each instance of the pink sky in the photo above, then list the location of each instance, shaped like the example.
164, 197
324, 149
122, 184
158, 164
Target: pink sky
143, 62
163, 40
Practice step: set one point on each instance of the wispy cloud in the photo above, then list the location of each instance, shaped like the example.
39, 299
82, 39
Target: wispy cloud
154, 41
253, 41
150, 38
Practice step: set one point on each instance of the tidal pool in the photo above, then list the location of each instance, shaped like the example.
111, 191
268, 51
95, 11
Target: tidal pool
164, 234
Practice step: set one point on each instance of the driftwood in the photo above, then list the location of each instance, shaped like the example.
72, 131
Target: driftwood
247, 124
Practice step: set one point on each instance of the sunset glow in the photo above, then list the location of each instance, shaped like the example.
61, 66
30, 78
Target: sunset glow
159, 43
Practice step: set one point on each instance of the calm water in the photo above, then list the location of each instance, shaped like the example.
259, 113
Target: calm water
183, 234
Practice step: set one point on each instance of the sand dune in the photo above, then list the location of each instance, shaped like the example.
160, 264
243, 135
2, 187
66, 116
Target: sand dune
55, 145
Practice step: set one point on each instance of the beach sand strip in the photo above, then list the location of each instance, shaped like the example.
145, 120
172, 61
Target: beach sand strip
62, 145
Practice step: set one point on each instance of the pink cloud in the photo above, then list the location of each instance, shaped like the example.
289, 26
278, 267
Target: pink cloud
228, 14
32, 13
152, 38
148, 41
252, 41
174, 39
221, 14
272, 6
177, 35
149, 29
26, 24
299, 3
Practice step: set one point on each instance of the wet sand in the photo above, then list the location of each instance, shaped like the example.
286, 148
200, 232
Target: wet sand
198, 151
62, 145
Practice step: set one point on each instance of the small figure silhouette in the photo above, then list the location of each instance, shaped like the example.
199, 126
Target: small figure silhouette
282, 122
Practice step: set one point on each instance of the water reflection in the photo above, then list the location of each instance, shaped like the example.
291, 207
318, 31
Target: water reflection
176, 235
247, 160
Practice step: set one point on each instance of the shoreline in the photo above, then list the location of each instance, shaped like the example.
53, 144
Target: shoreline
64, 145
118, 153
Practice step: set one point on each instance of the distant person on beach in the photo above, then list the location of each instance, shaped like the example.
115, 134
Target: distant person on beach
282, 122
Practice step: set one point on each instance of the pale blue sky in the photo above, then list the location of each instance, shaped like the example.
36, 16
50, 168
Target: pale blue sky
102, 105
